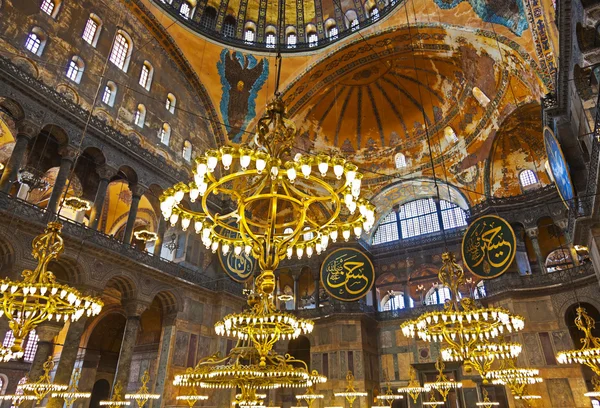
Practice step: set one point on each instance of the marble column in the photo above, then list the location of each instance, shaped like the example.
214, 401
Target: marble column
68, 156
167, 342
105, 173
136, 195
296, 291
406, 296
67, 359
26, 131
162, 227
532, 233
133, 310
316, 278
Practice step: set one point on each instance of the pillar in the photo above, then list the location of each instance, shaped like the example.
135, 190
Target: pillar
532, 233
105, 174
67, 359
25, 132
162, 227
296, 277
136, 195
68, 156
164, 359
133, 311
406, 296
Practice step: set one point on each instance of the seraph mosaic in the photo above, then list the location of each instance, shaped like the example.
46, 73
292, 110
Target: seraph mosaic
509, 13
242, 76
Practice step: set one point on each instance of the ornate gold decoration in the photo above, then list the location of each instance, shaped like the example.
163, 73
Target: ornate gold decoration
38, 297
389, 397
413, 388
483, 355
432, 401
192, 397
516, 379
43, 386
310, 396
462, 324
71, 394
350, 394
142, 395
77, 204
116, 399
596, 384
442, 384
589, 353
486, 403
145, 235
17, 399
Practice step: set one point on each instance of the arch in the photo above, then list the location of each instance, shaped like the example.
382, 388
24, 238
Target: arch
50, 7
36, 41
187, 150
164, 133
146, 75
208, 20
311, 35
400, 160
170, 102
3, 383
351, 19
528, 179
124, 285
100, 391
7, 255
291, 38
170, 301
13, 108
122, 47
186, 10
92, 29
110, 93
394, 300
140, 116
300, 349
249, 32
480, 96
128, 174
75, 69
331, 29
67, 270
450, 135
229, 26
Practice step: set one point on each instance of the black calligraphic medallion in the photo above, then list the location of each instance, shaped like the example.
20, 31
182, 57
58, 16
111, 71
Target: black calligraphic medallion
240, 267
347, 274
489, 246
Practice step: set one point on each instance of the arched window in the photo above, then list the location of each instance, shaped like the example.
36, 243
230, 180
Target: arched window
91, 31
418, 217
9, 339
19, 391
481, 97
271, 37
354, 25
400, 161
185, 10
229, 25
121, 50
146, 75
36, 41
47, 7
209, 18
450, 135
291, 40
332, 33
313, 39
249, 35
31, 347
394, 300
437, 295
351, 19
374, 13
187, 150
109, 94
170, 103
165, 134
479, 291
140, 116
75, 69
527, 178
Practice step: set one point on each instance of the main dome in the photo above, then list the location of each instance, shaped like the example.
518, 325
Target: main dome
252, 25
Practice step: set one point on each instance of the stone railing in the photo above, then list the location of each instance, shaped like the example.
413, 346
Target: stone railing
14, 207
496, 204
336, 308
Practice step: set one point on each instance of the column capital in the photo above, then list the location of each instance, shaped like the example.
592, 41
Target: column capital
105, 172
562, 224
137, 190
69, 153
532, 232
170, 319
28, 129
134, 308
48, 330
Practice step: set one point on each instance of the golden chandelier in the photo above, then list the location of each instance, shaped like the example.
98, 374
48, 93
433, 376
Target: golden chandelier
44, 385
442, 384
116, 400
38, 297
192, 397
350, 394
462, 324
486, 403
142, 395
589, 353
516, 379
483, 355
413, 388
72, 393
310, 396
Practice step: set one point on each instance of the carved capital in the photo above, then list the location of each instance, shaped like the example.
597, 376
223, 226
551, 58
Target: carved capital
532, 232
105, 172
134, 308
562, 224
137, 190
170, 319
69, 153
28, 129
48, 330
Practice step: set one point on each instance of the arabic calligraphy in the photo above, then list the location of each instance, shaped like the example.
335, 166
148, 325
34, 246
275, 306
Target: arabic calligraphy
347, 274
239, 267
489, 246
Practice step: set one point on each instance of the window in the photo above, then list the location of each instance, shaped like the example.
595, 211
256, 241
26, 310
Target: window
595, 403
354, 25
47, 7
185, 10
140, 116
418, 217
208, 19
292, 39
31, 347
146, 75
170, 103
121, 51
249, 36
438, 295
91, 32
527, 178
351, 19
187, 150
271, 40
229, 25
19, 391
374, 13
400, 161
332, 33
481, 97
450, 135
75, 69
9, 339
36, 40
110, 91
479, 291
165, 134
313, 39
395, 301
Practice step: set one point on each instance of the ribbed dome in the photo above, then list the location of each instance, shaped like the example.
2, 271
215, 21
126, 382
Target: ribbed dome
308, 25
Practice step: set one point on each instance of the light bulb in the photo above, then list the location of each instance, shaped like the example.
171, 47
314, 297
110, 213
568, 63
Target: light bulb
178, 196
173, 219
338, 170
346, 234
201, 168
185, 223
194, 193
290, 252
274, 172
260, 165
202, 188
206, 233
237, 250
323, 167
247, 249
333, 235
245, 161
306, 169
214, 246
198, 227
358, 231
225, 248
309, 251
226, 159
299, 252
324, 240
291, 173
211, 162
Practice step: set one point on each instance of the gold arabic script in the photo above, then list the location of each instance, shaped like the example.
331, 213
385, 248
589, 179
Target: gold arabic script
346, 274
486, 247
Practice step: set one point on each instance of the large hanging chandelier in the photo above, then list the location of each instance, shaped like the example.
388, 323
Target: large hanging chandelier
116, 401
462, 324
516, 379
487, 403
442, 384
350, 394
44, 385
413, 388
192, 397
310, 396
483, 355
38, 297
142, 395
589, 353
389, 397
